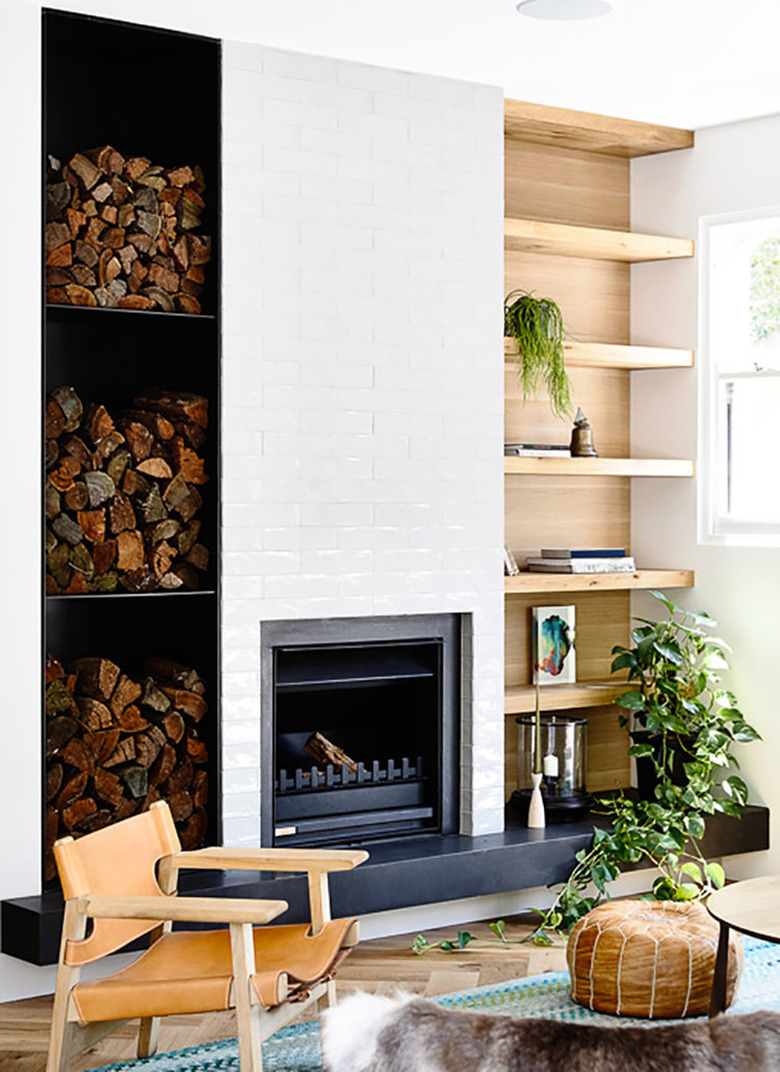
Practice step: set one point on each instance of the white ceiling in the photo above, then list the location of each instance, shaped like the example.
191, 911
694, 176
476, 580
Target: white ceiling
688, 63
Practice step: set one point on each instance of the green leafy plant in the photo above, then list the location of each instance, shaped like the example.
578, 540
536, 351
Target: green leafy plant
674, 692
536, 325
421, 944
678, 697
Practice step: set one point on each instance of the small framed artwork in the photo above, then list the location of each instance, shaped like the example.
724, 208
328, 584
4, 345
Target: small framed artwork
554, 657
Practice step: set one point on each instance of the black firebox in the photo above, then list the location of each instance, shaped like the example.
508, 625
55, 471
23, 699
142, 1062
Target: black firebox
360, 729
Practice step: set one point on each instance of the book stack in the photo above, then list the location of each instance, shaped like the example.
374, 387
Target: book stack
582, 560
536, 450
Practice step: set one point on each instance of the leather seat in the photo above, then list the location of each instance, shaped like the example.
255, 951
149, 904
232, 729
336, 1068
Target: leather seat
119, 884
201, 964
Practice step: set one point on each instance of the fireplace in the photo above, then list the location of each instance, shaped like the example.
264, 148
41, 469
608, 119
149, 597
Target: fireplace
382, 698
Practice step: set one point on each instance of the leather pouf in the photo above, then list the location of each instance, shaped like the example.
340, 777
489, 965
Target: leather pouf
652, 959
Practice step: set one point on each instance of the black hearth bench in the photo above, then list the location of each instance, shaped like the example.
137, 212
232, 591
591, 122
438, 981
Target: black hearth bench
399, 874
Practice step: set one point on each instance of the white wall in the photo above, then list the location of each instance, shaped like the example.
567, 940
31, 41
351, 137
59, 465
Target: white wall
732, 168
362, 413
20, 563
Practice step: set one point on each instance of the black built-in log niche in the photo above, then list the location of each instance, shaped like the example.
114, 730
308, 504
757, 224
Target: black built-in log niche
154, 94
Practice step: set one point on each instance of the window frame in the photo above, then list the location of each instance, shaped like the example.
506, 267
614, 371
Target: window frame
714, 528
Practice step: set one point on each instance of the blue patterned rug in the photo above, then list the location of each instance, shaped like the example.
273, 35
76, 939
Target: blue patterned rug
297, 1048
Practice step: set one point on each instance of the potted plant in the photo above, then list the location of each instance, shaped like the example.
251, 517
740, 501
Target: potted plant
687, 722
536, 325
692, 722
675, 694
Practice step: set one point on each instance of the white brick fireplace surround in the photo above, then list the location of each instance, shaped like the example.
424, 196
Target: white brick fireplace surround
362, 380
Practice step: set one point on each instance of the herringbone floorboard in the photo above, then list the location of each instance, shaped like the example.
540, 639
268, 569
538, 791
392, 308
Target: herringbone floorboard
382, 965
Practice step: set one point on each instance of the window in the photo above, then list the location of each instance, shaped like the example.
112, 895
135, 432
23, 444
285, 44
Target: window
740, 354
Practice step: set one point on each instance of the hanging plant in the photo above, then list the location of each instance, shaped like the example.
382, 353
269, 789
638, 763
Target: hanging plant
536, 325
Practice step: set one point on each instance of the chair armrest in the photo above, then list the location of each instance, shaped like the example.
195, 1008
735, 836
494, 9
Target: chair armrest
312, 860
184, 909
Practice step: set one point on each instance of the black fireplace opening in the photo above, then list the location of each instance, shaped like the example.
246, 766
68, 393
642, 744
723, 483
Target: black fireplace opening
362, 720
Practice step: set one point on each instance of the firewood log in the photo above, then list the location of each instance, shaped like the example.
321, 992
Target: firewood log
200, 789
77, 497
133, 483
157, 468
71, 791
93, 525
173, 724
54, 778
136, 780
67, 529
93, 714
78, 449
194, 830
181, 805
130, 550
59, 731
123, 753
105, 745
96, 677
107, 786
121, 514
77, 754
75, 814
176, 404
190, 703
197, 750
163, 765
326, 752
181, 777
130, 719
63, 475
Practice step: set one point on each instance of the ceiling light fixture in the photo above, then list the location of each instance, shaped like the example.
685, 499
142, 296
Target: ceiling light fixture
564, 9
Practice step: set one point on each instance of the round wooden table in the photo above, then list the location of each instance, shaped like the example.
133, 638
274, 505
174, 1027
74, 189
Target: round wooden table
751, 907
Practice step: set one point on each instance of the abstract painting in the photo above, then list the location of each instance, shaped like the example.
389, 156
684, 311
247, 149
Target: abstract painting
553, 645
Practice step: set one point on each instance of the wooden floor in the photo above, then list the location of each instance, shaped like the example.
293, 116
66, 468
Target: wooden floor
382, 965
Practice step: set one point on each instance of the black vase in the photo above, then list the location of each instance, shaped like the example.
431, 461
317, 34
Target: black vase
646, 778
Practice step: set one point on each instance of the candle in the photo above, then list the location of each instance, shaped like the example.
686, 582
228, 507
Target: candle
550, 766
538, 735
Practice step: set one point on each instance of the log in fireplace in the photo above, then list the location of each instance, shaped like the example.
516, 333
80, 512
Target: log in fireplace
362, 718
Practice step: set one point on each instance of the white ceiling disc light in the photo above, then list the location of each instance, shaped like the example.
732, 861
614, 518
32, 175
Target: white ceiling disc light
564, 9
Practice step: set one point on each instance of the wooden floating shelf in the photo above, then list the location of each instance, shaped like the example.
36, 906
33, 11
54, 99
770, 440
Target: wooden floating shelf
608, 356
646, 467
566, 129
591, 243
521, 699
528, 583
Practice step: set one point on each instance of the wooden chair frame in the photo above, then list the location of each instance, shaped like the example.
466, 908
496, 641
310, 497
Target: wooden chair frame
255, 1022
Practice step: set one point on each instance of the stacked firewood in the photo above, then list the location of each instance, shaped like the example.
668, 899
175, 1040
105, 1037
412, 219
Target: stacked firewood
122, 495
120, 232
116, 744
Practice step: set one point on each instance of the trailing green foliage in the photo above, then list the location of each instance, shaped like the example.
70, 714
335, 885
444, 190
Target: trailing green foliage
675, 693
536, 325
421, 944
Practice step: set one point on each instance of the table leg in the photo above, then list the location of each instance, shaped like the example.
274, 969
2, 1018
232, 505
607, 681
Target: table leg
718, 1000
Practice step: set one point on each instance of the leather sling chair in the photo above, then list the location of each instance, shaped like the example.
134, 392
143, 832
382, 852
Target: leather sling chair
122, 880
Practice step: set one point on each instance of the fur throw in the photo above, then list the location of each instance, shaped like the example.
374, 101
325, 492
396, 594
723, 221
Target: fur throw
366, 1033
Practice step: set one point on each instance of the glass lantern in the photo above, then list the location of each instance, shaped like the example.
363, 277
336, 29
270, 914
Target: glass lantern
564, 741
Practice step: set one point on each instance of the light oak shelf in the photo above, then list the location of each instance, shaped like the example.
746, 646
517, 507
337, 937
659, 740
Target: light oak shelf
566, 129
591, 243
608, 356
521, 699
645, 467
531, 583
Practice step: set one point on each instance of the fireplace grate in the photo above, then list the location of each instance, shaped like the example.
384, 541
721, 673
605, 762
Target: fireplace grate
314, 779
